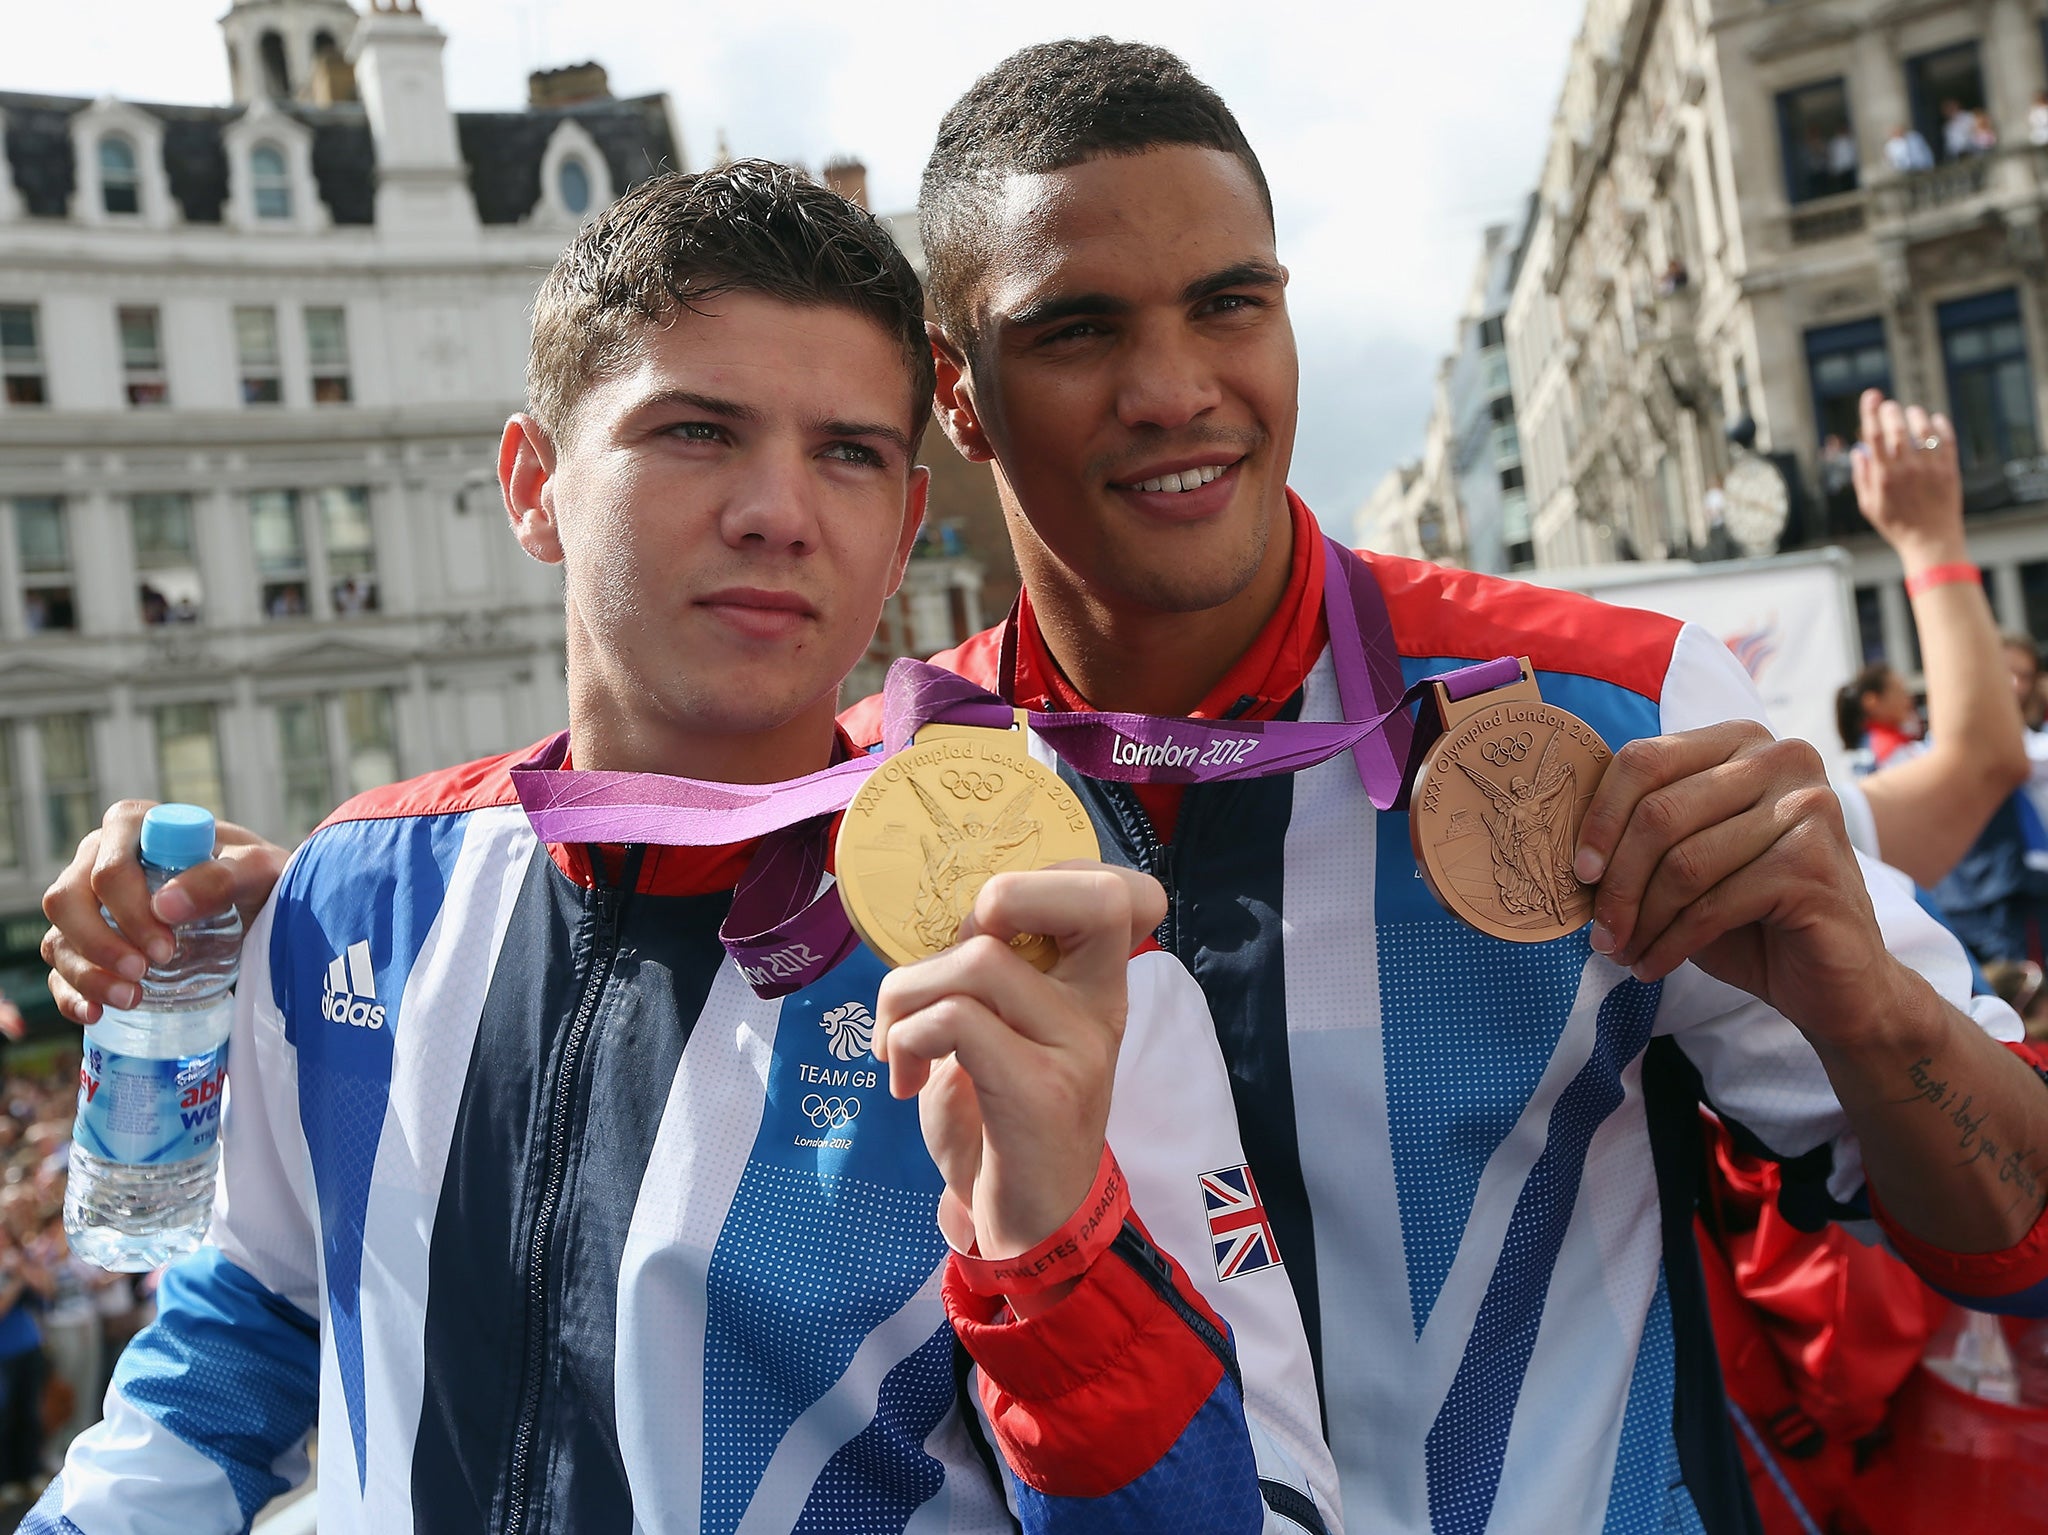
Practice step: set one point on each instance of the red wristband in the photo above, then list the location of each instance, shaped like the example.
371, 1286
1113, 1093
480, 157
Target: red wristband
1068, 1253
1942, 575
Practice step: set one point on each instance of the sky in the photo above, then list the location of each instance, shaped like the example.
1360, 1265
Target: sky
1391, 133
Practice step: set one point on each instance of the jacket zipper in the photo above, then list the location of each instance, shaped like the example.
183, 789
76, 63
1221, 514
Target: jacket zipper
555, 1171
1154, 857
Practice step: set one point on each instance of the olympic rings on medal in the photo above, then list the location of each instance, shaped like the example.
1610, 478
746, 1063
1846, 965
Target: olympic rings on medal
970, 784
835, 1112
1514, 748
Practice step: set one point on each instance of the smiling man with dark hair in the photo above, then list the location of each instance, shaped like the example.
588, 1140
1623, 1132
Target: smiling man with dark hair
1479, 1157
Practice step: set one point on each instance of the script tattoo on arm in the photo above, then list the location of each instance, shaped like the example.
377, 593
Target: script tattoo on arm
2019, 1167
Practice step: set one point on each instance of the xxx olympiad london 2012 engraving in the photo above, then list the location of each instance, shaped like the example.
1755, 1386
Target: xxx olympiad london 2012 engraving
1495, 814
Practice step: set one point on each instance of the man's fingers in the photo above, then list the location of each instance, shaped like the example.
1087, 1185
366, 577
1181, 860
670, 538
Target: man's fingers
998, 978
1660, 827
1642, 767
78, 1009
1918, 428
1891, 419
1870, 426
1690, 869
95, 983
1089, 910
76, 923
1745, 897
987, 1048
117, 881
204, 890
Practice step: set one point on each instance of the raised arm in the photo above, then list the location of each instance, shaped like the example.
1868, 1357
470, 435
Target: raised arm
212, 1402
1114, 1391
94, 963
1931, 807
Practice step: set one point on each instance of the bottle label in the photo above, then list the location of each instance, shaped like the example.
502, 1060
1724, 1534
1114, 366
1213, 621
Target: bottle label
150, 1111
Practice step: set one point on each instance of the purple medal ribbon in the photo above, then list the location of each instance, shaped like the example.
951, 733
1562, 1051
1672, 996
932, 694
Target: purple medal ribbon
784, 931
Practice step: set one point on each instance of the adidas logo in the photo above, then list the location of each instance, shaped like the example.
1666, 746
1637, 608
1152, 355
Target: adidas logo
350, 993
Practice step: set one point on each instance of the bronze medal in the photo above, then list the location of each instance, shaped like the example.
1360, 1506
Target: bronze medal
1495, 812
936, 820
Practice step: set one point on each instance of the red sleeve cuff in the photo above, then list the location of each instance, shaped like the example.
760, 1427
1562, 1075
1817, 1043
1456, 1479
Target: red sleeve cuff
1087, 1397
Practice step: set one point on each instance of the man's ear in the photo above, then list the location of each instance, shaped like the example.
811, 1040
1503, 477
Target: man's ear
526, 474
953, 398
914, 500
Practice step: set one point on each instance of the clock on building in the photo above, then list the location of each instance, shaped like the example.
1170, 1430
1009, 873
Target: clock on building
1758, 503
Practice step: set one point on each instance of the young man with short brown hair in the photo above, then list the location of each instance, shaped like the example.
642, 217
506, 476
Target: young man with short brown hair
560, 1222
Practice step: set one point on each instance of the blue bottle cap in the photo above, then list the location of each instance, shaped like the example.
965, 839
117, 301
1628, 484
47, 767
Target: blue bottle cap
177, 836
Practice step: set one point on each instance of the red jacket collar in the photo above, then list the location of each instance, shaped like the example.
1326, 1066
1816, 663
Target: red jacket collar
1269, 673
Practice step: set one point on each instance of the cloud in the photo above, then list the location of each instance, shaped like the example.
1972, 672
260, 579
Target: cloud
1391, 134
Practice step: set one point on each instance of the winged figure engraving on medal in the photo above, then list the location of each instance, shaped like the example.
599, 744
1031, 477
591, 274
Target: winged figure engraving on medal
1530, 825
959, 861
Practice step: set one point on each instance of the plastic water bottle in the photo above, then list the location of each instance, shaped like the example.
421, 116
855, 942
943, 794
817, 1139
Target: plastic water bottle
150, 1088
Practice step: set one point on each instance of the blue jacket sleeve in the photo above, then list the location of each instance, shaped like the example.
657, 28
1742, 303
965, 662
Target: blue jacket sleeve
208, 1416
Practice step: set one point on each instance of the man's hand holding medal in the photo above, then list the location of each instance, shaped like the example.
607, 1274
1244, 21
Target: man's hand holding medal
1014, 1065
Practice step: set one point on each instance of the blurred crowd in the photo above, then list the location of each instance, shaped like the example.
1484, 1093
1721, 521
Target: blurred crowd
63, 1322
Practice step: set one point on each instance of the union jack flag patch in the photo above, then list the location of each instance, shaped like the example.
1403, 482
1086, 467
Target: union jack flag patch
1239, 1231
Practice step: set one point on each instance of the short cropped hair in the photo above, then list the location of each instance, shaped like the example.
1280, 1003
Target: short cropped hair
2020, 640
1044, 109
678, 240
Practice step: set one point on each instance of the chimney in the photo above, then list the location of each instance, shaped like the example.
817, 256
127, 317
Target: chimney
569, 86
849, 178
422, 182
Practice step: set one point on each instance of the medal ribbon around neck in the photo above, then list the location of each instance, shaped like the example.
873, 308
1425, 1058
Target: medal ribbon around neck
785, 931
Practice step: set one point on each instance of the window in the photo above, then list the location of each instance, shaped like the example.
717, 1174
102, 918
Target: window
188, 756
1841, 362
1946, 91
256, 348
351, 551
573, 182
71, 795
327, 350
1817, 140
369, 723
279, 542
43, 545
2034, 598
366, 721
10, 816
21, 356
270, 182
277, 75
302, 748
142, 358
120, 183
166, 559
1990, 392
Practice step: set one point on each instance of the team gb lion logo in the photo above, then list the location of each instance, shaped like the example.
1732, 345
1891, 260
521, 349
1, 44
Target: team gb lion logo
850, 1029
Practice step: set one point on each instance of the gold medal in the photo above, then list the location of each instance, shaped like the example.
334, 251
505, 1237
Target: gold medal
1495, 812
924, 834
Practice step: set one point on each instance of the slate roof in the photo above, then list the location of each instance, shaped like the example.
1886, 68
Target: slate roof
503, 151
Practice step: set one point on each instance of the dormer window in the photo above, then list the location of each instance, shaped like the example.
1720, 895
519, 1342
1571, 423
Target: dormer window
573, 182
120, 180
270, 182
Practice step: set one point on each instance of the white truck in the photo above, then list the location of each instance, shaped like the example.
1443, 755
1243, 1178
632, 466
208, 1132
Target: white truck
1790, 620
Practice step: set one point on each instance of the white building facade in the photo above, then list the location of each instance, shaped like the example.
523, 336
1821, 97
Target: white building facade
253, 365
1750, 212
